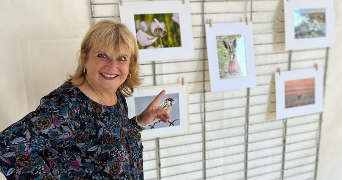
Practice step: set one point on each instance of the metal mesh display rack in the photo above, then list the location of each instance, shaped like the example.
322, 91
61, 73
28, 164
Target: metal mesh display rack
249, 140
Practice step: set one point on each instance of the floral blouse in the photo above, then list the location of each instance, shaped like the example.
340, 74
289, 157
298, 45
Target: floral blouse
69, 136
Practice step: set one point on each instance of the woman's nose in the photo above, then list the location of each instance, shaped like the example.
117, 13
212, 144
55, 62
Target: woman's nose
113, 64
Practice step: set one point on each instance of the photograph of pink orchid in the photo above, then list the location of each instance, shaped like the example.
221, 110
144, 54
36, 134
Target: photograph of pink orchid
309, 23
158, 30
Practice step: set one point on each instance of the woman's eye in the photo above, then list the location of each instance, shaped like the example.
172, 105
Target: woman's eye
122, 58
102, 55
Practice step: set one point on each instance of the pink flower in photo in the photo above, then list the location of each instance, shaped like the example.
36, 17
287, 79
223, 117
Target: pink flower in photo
141, 26
175, 17
158, 28
145, 39
74, 164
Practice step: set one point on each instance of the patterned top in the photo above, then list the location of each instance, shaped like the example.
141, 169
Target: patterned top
69, 136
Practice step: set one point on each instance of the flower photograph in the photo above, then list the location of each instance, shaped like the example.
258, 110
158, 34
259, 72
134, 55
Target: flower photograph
157, 30
309, 23
231, 56
299, 92
169, 102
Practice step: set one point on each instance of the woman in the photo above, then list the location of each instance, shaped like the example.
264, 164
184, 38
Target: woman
81, 129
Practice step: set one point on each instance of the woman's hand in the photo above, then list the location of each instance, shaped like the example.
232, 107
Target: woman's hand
153, 111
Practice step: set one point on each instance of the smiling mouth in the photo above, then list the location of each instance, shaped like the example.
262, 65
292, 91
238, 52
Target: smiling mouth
108, 75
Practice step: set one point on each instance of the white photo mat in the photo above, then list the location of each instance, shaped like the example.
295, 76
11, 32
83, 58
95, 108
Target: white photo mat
216, 83
183, 103
317, 107
186, 51
290, 42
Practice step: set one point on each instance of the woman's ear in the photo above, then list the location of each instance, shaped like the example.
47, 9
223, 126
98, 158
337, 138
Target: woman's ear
84, 57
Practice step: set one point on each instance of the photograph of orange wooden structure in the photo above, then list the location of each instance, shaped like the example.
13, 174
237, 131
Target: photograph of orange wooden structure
299, 92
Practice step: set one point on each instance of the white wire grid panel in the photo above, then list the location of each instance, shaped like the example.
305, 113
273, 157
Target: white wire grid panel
233, 134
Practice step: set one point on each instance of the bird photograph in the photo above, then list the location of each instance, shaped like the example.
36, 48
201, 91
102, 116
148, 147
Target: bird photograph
169, 102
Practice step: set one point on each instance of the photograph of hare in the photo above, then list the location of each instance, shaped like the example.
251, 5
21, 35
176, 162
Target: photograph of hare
309, 23
231, 56
299, 92
170, 103
158, 30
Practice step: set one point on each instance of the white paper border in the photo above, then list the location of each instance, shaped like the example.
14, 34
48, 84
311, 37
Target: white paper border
127, 11
282, 112
182, 90
307, 43
230, 29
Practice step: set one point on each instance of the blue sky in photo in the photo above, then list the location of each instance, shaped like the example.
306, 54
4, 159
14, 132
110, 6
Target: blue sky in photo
298, 18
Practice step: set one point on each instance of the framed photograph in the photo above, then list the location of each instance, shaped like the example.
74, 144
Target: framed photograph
309, 24
175, 102
299, 92
231, 56
163, 29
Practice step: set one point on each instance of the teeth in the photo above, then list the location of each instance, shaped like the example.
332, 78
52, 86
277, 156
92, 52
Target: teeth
108, 76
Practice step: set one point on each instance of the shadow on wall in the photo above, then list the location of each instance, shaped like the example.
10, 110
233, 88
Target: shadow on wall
276, 28
271, 107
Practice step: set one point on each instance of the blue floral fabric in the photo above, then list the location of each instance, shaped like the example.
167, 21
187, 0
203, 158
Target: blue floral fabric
69, 136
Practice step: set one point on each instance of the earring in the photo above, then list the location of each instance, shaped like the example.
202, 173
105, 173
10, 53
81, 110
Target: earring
84, 70
129, 76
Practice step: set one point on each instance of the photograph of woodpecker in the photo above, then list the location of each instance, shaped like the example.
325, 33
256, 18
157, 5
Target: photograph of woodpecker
231, 56
169, 102
158, 30
309, 23
299, 92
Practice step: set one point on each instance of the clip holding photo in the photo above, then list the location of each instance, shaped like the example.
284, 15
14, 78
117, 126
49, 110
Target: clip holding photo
279, 71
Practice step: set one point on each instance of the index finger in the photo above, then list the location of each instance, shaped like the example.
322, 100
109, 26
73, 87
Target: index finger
157, 99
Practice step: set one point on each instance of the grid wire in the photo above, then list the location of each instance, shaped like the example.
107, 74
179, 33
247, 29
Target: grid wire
233, 134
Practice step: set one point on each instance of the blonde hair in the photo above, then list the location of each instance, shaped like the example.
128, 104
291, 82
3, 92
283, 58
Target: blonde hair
112, 37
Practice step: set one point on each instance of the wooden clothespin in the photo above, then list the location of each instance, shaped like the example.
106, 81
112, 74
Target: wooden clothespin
279, 71
211, 25
316, 66
120, 2
182, 81
247, 22
183, 1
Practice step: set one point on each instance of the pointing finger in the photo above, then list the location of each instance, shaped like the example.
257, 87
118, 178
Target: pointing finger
157, 99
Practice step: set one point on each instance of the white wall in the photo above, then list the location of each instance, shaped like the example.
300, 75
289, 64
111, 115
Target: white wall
330, 159
39, 40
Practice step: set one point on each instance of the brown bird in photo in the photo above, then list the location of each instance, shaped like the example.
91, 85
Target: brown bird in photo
167, 105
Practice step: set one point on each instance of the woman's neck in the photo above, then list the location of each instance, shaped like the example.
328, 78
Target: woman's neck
103, 97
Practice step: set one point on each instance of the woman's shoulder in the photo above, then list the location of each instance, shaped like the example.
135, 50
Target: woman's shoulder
63, 94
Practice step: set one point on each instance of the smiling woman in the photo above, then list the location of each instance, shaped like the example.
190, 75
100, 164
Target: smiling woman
81, 130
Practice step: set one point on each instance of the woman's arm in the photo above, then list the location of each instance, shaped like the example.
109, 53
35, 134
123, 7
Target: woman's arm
21, 143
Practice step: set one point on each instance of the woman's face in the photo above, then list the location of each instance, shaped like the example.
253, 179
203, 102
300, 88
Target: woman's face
106, 72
